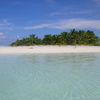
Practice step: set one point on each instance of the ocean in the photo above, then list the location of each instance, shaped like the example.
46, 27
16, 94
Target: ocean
74, 76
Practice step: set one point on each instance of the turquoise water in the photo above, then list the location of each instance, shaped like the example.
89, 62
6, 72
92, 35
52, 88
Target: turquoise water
50, 77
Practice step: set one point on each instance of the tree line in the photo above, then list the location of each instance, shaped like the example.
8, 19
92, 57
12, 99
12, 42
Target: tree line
74, 37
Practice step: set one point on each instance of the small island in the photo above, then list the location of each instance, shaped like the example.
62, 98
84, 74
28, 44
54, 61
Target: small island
74, 37
67, 42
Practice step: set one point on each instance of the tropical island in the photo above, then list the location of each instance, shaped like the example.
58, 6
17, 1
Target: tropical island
75, 41
74, 37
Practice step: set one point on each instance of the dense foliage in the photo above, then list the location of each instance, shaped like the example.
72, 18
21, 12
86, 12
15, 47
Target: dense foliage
73, 37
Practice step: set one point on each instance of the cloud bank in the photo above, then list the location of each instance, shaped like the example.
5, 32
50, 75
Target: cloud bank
68, 24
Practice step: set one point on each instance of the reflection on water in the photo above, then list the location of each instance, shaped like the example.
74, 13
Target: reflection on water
50, 77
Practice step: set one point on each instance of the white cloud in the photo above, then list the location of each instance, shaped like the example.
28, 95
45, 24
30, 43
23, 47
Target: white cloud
69, 24
38, 26
2, 36
4, 22
6, 28
63, 13
82, 12
57, 14
5, 25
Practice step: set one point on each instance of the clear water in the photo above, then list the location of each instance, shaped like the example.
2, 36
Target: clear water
50, 77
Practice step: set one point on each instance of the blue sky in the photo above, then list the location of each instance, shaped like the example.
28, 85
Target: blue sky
19, 18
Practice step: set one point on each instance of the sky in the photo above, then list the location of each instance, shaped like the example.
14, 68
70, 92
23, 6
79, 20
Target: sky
20, 18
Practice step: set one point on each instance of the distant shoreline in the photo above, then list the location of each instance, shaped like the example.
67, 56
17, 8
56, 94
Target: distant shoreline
48, 49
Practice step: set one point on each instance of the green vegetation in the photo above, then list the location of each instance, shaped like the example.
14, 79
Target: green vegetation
73, 37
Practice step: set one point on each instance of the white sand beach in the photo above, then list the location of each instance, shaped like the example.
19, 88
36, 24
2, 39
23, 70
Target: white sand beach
49, 49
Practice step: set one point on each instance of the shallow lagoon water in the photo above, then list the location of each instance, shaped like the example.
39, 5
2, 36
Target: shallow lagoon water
50, 77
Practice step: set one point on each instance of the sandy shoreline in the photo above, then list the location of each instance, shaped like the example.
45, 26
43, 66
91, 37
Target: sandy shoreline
49, 49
